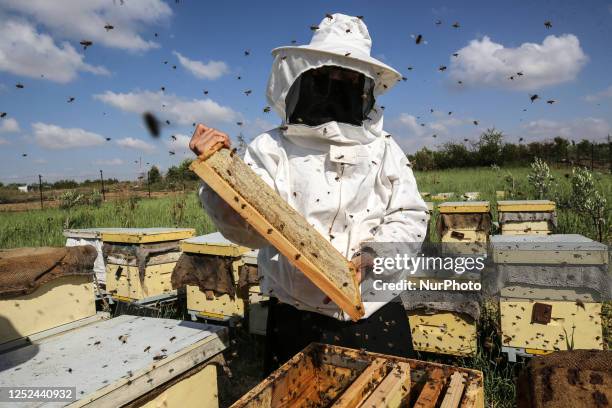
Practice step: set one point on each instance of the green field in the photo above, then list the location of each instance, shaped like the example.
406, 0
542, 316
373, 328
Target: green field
44, 227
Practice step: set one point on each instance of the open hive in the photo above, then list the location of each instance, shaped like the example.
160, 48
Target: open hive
551, 289
220, 277
124, 361
139, 261
281, 225
464, 221
526, 217
331, 376
44, 288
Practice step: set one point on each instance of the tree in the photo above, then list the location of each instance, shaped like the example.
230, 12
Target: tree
154, 175
490, 147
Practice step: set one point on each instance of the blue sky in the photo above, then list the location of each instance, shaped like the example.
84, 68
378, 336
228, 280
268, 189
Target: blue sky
122, 73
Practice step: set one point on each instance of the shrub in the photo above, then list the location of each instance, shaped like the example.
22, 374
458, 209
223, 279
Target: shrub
540, 178
587, 200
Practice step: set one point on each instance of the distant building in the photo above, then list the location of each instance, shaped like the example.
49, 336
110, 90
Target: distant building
23, 189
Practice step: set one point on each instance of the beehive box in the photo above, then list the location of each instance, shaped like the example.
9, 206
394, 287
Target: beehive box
551, 288
526, 217
331, 376
442, 322
464, 222
443, 333
221, 307
128, 278
60, 299
124, 361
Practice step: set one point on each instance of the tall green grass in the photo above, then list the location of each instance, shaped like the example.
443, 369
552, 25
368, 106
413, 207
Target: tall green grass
45, 227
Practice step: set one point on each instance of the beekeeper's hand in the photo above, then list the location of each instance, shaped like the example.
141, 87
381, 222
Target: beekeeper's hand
204, 138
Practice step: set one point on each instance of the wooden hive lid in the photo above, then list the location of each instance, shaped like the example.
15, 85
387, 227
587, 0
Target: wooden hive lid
88, 233
572, 249
146, 235
213, 244
464, 207
526, 205
99, 363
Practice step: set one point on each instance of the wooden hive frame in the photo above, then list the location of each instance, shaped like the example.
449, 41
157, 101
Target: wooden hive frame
287, 230
332, 376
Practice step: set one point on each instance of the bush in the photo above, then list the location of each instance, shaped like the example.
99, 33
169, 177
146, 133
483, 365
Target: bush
540, 178
588, 201
70, 199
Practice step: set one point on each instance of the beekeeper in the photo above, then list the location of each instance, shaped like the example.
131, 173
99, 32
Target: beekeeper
332, 161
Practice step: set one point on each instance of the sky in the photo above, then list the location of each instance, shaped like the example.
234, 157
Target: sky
191, 47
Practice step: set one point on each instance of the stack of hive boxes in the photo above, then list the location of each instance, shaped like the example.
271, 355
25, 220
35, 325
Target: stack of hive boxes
220, 279
527, 217
139, 261
551, 288
446, 321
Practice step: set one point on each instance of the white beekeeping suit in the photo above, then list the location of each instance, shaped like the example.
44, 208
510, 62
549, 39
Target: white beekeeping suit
352, 183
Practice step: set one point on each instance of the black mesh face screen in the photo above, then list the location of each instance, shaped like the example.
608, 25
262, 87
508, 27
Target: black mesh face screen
328, 94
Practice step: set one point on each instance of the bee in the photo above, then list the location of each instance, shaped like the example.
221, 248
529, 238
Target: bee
86, 43
108, 27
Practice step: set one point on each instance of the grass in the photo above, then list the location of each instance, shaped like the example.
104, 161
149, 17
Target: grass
44, 227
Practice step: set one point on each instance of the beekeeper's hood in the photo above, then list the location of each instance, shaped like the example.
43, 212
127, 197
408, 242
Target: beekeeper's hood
340, 41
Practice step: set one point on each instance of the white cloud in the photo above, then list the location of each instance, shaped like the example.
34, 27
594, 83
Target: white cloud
9, 125
110, 162
137, 144
55, 137
170, 107
180, 146
484, 62
24, 51
577, 129
209, 70
598, 96
79, 20
4, 141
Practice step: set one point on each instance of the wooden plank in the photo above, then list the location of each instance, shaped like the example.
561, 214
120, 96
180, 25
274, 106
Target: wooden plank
460, 207
454, 391
393, 390
147, 235
275, 220
432, 389
474, 395
525, 205
213, 244
359, 390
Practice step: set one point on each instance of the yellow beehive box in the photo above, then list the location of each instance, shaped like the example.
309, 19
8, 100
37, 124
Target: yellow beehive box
44, 288
526, 217
443, 333
550, 294
526, 206
464, 222
60, 301
221, 307
127, 278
